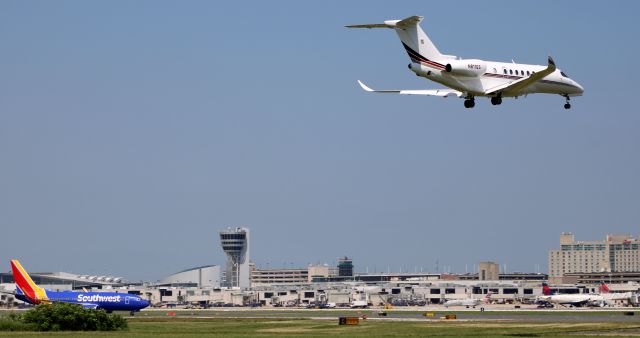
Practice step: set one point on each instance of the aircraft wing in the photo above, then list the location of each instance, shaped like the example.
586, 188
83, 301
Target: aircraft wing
518, 85
428, 92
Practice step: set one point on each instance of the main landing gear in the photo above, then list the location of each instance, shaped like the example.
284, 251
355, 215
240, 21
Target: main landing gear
567, 105
470, 102
496, 100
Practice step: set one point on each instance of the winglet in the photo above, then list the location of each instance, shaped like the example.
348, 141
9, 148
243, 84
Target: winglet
364, 86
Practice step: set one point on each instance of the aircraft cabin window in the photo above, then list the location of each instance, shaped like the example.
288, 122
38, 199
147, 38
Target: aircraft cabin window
522, 72
527, 73
505, 71
511, 71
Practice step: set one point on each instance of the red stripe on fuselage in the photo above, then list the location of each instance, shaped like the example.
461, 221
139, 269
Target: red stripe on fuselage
432, 64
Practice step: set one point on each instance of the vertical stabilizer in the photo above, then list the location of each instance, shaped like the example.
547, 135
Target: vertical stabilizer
415, 40
22, 279
546, 290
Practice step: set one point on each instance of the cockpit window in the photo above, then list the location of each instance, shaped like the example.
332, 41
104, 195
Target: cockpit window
563, 74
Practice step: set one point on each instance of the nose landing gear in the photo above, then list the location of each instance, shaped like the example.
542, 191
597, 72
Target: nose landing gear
567, 105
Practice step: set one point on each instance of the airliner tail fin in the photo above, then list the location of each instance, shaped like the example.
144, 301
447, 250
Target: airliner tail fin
24, 282
546, 290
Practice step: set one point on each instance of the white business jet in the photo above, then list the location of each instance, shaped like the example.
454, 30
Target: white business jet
468, 78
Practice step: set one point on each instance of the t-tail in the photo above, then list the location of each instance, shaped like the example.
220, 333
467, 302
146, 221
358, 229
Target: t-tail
32, 292
420, 48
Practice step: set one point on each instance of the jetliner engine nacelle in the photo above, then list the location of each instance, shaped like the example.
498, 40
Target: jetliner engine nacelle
419, 69
470, 67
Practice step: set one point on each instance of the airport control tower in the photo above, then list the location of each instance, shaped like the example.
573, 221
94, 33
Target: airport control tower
235, 243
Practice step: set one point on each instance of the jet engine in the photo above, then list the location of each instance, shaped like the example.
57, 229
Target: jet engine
469, 67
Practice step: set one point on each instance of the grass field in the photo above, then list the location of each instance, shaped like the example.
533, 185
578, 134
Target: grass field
271, 327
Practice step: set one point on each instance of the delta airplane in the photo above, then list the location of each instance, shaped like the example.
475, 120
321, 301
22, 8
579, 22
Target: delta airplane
28, 291
603, 298
468, 78
606, 297
573, 299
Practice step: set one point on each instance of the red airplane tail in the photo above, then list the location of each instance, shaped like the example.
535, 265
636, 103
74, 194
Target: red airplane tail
604, 288
546, 290
487, 298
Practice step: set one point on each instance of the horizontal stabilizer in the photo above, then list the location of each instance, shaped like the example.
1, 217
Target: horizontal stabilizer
405, 23
373, 25
427, 92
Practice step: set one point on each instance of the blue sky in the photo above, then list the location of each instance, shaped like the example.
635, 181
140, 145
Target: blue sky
132, 131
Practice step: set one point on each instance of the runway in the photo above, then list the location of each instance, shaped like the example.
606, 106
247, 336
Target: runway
424, 314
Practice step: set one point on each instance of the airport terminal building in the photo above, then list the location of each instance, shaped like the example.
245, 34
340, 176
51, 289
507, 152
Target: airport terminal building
241, 283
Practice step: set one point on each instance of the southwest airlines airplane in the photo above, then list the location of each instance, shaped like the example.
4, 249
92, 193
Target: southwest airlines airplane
28, 291
468, 78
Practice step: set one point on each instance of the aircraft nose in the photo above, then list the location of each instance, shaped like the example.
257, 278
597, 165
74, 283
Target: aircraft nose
579, 88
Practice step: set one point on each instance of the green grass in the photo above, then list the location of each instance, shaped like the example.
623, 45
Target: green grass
227, 327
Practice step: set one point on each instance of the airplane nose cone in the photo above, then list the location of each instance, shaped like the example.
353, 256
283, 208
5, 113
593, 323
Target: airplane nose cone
579, 88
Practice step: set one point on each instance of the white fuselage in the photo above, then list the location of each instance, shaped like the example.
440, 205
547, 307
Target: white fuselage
463, 302
568, 299
490, 75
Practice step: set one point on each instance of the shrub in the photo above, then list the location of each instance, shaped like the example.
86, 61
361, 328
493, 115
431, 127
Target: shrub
11, 324
64, 317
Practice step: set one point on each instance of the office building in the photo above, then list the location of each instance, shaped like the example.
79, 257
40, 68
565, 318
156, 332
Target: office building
617, 253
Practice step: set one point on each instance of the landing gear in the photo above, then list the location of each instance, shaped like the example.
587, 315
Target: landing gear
469, 103
567, 105
496, 100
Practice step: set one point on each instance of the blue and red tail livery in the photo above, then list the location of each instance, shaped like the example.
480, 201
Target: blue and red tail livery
28, 291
